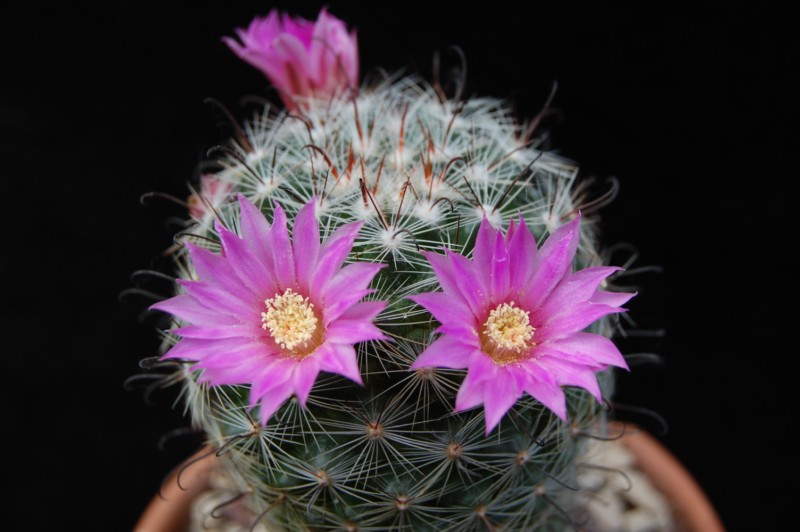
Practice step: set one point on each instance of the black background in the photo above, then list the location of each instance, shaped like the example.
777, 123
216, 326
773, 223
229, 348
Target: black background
693, 110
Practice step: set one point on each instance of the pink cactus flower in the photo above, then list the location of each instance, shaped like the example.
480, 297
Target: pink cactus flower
302, 59
272, 312
513, 317
213, 192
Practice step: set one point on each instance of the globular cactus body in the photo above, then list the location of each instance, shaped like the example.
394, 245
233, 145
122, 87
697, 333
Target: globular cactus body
420, 173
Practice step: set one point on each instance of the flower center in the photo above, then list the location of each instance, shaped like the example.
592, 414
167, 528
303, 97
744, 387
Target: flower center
507, 334
292, 322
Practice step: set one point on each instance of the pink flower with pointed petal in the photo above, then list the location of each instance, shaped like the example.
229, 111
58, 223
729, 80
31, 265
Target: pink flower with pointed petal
302, 59
271, 311
213, 191
512, 317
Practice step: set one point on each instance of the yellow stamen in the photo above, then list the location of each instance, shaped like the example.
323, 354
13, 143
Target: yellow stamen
507, 334
291, 320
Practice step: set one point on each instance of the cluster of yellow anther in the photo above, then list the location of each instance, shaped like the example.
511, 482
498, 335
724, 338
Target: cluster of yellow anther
290, 319
507, 332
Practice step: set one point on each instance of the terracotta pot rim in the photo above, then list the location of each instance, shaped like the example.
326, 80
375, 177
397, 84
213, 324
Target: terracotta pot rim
168, 511
691, 507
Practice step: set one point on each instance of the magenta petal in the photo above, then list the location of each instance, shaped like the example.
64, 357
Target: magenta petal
580, 317
188, 309
216, 332
275, 372
445, 311
599, 348
213, 296
552, 261
499, 284
332, 254
188, 349
573, 290
470, 286
443, 269
283, 258
255, 228
303, 378
364, 311
249, 269
236, 365
521, 254
340, 359
235, 352
235, 47
499, 395
305, 236
481, 368
445, 352
352, 331
569, 374
294, 58
512, 228
272, 399
541, 387
613, 299
484, 250
469, 396
347, 288
215, 270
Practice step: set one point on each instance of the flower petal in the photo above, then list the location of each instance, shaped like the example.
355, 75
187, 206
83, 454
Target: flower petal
445, 352
303, 378
305, 235
471, 287
599, 348
481, 368
469, 396
366, 310
614, 299
249, 269
275, 372
272, 399
544, 389
340, 359
552, 261
446, 310
344, 331
580, 317
483, 253
574, 289
521, 254
332, 254
255, 230
214, 296
282, 256
215, 270
189, 310
499, 283
569, 374
347, 288
236, 365
212, 332
499, 395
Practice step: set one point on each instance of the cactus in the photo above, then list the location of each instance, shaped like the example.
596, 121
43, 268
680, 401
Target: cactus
409, 173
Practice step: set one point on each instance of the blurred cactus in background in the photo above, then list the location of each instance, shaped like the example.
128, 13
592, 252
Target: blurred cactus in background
392, 309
